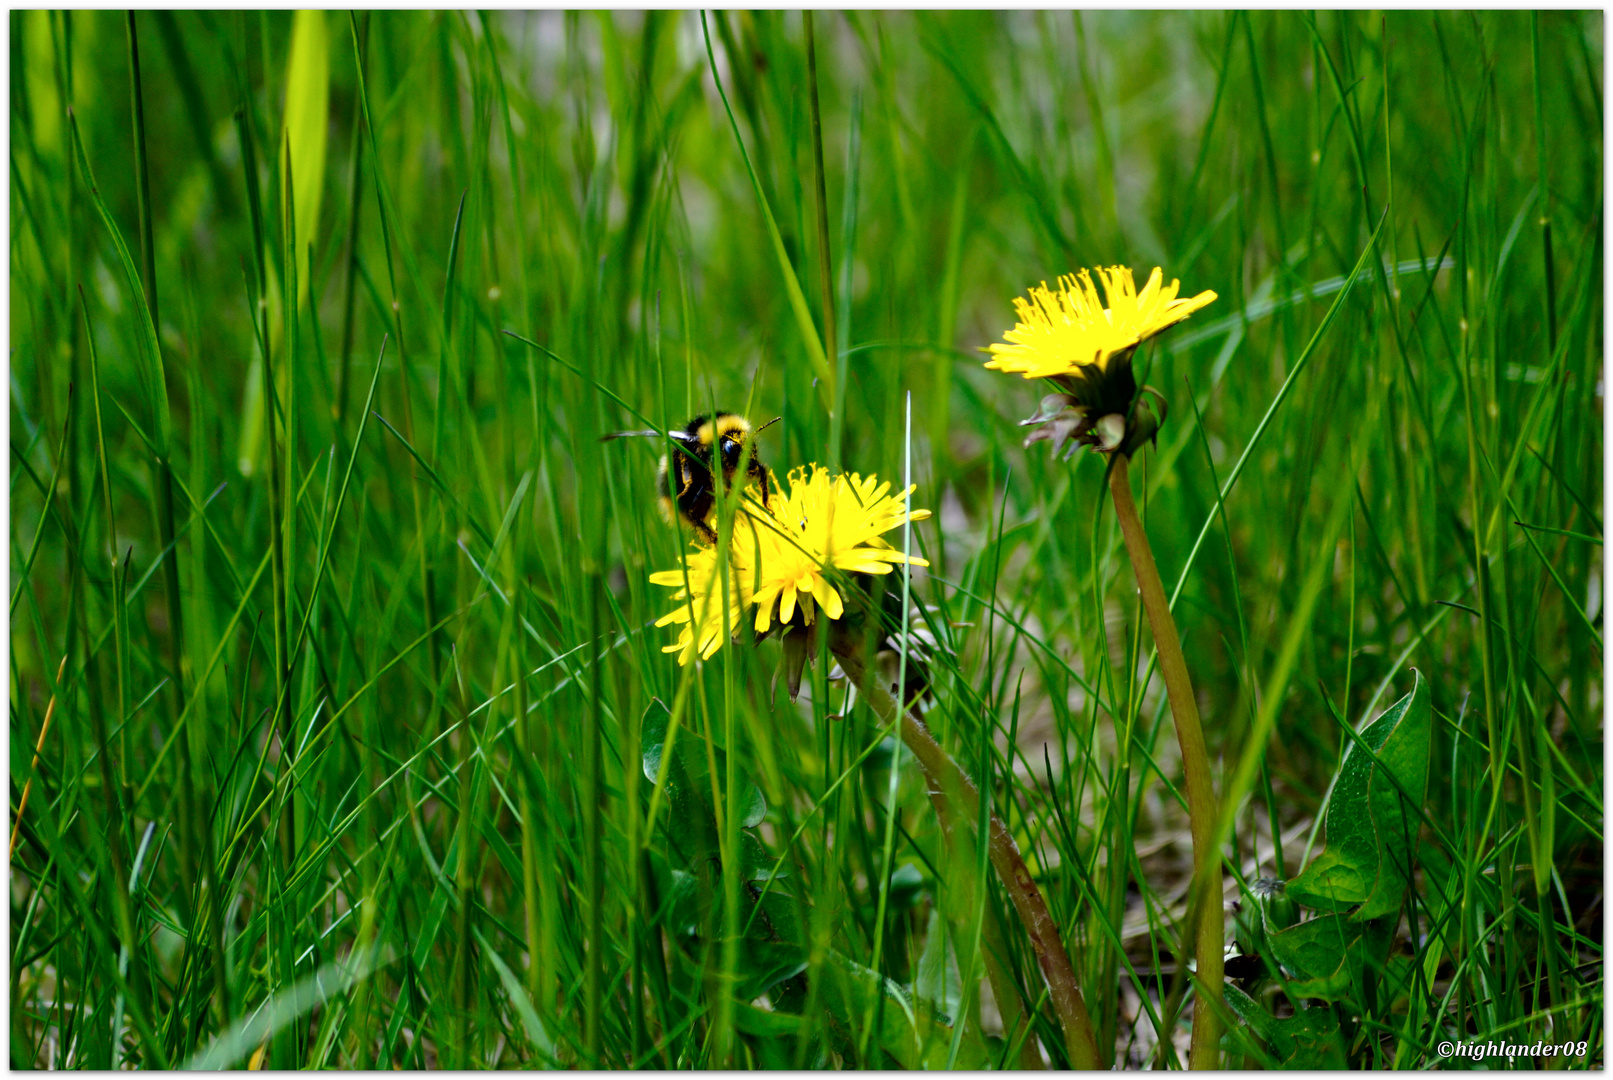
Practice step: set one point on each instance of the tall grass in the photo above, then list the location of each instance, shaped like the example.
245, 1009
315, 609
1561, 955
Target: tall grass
336, 606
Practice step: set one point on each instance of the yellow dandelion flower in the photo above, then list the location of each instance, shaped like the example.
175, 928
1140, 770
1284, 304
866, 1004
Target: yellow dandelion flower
1084, 348
699, 586
784, 558
1069, 332
827, 523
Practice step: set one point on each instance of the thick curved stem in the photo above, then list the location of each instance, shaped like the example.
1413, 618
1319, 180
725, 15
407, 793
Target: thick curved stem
945, 777
992, 947
1206, 929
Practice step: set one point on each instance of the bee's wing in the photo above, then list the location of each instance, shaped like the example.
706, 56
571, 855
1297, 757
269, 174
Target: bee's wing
682, 436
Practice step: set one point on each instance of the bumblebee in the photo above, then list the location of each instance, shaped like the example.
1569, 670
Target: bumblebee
686, 483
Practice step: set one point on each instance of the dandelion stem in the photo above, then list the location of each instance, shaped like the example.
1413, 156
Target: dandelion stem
1206, 932
945, 777
992, 949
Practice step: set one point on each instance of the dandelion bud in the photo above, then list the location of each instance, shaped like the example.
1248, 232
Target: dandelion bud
1280, 910
1110, 430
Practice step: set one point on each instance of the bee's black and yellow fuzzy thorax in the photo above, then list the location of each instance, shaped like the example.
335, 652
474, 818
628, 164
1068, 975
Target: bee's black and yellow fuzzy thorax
686, 480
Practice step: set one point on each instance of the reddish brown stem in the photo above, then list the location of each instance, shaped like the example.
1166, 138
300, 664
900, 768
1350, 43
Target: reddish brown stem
945, 777
1206, 930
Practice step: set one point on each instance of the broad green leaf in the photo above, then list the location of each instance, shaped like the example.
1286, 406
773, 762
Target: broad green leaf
752, 803
1370, 831
773, 952
1314, 952
1330, 955
652, 738
688, 817
755, 861
775, 948
1249, 1011
691, 762
307, 121
975, 1051
680, 905
765, 964
852, 993
779, 919
907, 1031
1309, 1039
1399, 774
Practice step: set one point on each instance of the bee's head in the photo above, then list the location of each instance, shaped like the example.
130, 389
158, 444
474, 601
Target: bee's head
726, 436
722, 438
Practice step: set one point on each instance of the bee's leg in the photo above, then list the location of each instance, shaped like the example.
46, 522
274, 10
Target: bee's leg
760, 474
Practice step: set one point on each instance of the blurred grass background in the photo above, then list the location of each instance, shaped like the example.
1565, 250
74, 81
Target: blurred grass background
346, 661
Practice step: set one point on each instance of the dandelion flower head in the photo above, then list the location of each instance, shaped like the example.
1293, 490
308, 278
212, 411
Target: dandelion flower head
1069, 332
784, 558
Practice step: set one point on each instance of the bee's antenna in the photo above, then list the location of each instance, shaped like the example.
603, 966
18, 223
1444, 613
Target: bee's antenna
767, 425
